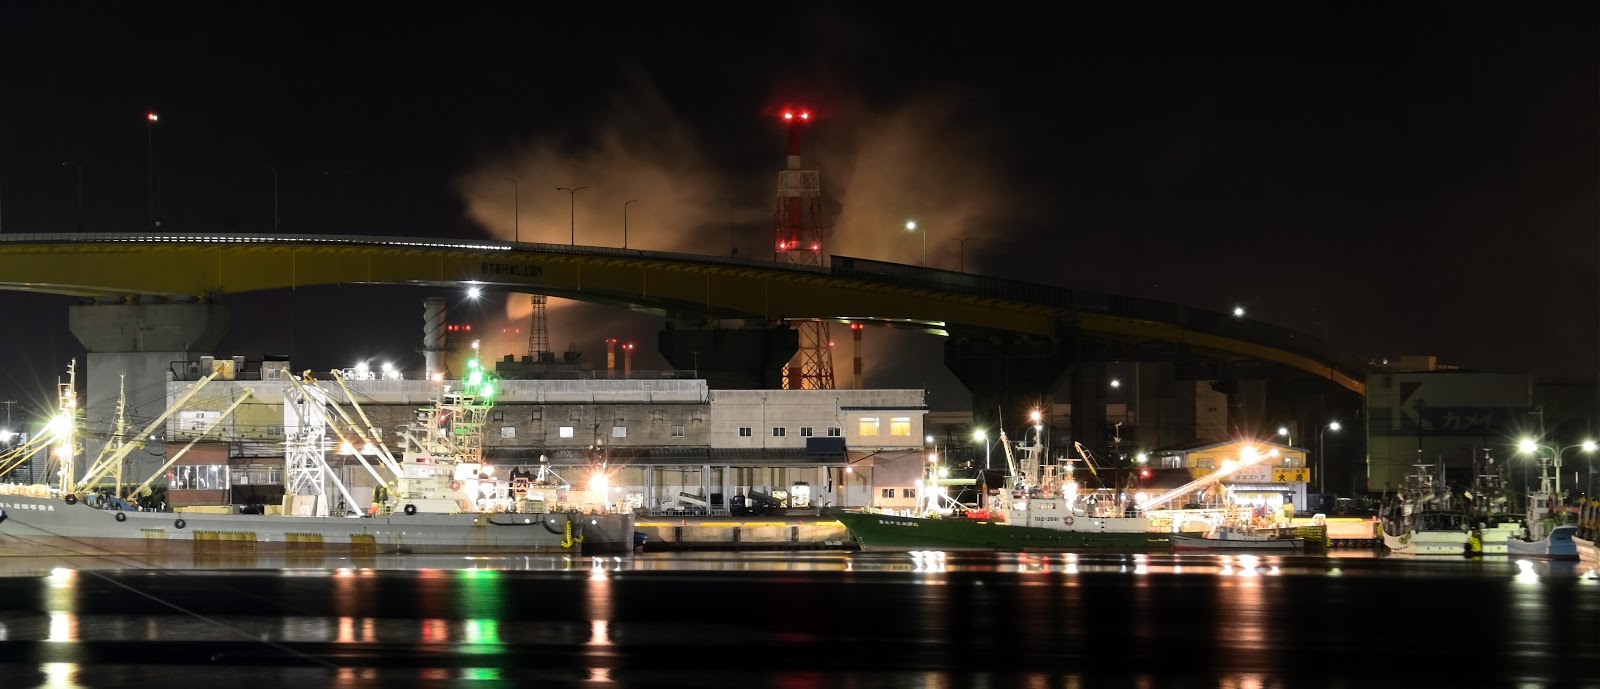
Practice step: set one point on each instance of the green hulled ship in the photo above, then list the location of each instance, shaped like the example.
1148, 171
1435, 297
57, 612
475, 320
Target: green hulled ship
889, 532
1040, 508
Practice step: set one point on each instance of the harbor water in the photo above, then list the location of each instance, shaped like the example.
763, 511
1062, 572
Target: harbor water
806, 619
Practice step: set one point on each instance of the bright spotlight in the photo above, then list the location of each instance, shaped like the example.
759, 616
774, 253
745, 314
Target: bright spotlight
1334, 426
1238, 311
1116, 383
474, 292
1527, 445
1588, 446
911, 226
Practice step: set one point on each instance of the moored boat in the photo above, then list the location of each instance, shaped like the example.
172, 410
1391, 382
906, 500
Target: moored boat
1040, 508
1230, 537
438, 496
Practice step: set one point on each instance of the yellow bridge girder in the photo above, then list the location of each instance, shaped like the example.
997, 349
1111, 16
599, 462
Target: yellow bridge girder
201, 267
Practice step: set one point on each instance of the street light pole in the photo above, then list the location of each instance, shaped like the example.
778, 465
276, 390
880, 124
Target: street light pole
516, 209
572, 210
150, 170
80, 192
275, 219
1322, 482
625, 222
962, 241
911, 226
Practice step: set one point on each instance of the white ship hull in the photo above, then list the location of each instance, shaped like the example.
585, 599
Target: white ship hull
50, 527
1586, 550
1427, 543
1180, 542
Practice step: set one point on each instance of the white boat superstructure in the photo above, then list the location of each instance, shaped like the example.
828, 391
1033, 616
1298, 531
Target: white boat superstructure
438, 496
1421, 521
1045, 494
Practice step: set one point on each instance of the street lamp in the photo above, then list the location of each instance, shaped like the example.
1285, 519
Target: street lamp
1322, 483
625, 222
982, 437
150, 169
516, 209
1238, 311
80, 192
1528, 446
572, 210
911, 226
962, 241
275, 218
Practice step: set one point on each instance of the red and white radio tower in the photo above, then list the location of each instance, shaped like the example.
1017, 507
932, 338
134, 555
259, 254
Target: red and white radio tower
799, 240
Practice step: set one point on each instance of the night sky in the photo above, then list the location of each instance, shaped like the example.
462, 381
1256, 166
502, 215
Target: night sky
1396, 178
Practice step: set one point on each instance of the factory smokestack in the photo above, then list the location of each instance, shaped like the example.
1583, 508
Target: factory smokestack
627, 361
432, 336
611, 357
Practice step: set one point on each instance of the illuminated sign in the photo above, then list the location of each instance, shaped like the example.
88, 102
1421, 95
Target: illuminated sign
1292, 475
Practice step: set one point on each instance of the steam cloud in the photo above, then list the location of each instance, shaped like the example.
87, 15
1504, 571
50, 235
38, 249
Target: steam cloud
921, 159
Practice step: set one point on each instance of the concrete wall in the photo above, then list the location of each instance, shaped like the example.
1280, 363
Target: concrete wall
795, 411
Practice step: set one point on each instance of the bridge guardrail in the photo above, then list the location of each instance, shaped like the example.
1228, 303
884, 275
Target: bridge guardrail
1198, 320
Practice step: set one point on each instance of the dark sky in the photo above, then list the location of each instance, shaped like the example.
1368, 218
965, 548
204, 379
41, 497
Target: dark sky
1396, 178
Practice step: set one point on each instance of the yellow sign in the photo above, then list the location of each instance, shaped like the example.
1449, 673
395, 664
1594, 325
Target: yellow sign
1292, 475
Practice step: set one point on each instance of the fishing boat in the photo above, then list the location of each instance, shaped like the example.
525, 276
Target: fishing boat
437, 496
1040, 508
1545, 536
1233, 537
1584, 540
1421, 521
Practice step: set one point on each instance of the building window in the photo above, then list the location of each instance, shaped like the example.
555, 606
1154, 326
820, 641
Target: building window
744, 431
508, 431
499, 415
576, 414
1205, 463
835, 431
196, 421
198, 477
658, 415
779, 431
900, 426
909, 493
619, 431
869, 426
805, 431
888, 492
677, 431
566, 431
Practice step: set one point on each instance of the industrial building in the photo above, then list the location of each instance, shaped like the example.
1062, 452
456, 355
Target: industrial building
662, 443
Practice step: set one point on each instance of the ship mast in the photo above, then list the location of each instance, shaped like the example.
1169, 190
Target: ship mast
65, 426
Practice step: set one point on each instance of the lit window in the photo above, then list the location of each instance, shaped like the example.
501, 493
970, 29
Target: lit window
900, 426
779, 431
677, 431
805, 431
508, 431
835, 431
909, 493
619, 431
869, 426
744, 431
888, 492
566, 431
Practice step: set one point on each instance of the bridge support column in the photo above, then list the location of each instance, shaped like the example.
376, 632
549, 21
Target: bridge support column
139, 340
1089, 393
732, 359
1008, 376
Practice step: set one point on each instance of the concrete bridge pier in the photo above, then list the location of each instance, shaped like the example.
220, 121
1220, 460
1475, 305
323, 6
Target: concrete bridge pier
749, 358
140, 340
1008, 376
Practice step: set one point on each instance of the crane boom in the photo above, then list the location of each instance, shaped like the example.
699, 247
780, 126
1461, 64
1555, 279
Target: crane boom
248, 393
106, 464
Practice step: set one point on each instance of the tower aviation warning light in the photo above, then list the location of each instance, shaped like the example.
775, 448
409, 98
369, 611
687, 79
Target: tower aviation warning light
798, 240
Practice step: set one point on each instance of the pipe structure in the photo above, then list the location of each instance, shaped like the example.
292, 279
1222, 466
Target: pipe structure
433, 315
